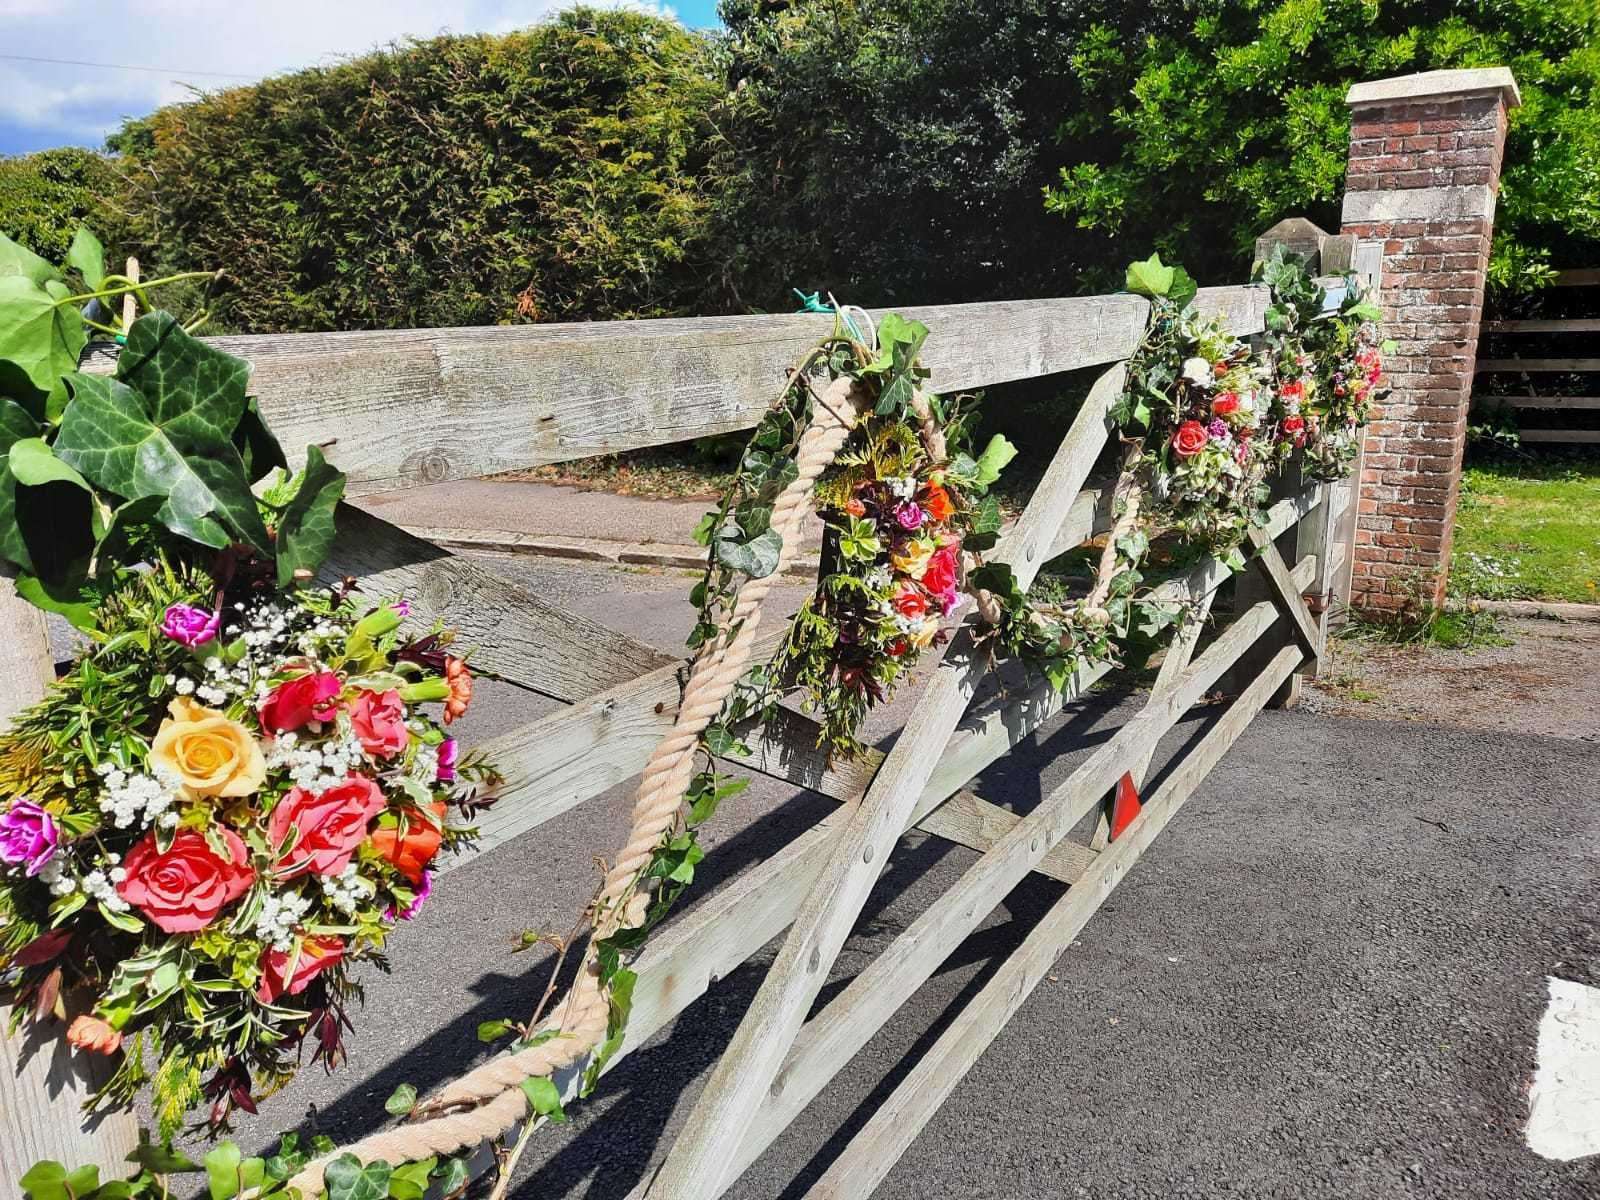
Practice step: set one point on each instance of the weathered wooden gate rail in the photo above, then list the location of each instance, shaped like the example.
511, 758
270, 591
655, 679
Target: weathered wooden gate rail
398, 409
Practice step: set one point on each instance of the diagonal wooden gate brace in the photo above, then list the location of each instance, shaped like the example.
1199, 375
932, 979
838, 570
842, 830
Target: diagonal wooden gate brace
728, 1106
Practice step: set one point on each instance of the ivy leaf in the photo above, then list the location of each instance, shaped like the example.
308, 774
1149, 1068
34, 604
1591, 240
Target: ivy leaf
41, 337
15, 426
992, 461
410, 1180
757, 558
347, 1179
222, 1171
88, 257
544, 1099
1150, 277
721, 743
1183, 288
257, 446
401, 1101
622, 983
452, 1175
32, 462
704, 530
45, 1180
493, 1031
16, 259
305, 531
160, 1158
119, 444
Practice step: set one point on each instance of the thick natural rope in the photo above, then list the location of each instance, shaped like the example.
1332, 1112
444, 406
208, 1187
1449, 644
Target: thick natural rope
489, 1099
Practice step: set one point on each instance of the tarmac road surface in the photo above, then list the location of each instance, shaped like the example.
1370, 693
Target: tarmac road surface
1324, 980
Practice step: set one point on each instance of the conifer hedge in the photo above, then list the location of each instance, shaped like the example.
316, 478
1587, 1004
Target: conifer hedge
556, 173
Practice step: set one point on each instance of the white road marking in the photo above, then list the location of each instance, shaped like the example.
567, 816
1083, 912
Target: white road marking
1564, 1102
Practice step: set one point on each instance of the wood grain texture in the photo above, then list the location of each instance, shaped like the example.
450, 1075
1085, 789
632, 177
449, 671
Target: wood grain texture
400, 408
406, 407
512, 632
42, 1082
895, 1124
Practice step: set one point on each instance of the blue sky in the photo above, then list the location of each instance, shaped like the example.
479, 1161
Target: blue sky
163, 49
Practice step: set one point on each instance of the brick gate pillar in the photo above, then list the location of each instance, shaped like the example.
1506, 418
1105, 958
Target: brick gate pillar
1424, 170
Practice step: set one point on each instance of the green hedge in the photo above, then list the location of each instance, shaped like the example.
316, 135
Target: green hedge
550, 174
45, 197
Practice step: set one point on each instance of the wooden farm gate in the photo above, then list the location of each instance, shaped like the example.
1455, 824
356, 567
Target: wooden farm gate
396, 409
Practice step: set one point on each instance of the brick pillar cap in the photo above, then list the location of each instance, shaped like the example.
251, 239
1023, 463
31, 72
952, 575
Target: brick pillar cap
1438, 86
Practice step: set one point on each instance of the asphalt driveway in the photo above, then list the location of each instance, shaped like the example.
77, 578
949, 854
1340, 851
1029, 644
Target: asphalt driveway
1324, 980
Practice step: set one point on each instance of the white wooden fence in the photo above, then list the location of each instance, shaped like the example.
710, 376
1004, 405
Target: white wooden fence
404, 408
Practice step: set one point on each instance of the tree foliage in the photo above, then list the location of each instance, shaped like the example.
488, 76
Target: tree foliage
46, 197
1198, 136
894, 151
553, 173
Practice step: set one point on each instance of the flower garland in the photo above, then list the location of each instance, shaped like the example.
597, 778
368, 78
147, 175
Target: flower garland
905, 507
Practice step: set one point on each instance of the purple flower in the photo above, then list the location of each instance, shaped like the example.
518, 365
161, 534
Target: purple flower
424, 890
403, 607
449, 752
190, 625
909, 515
28, 836
1218, 429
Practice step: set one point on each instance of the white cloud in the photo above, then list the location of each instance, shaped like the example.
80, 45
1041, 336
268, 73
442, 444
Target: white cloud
183, 38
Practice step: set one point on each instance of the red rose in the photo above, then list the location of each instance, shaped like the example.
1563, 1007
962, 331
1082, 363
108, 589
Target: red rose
911, 603
1294, 423
1227, 402
317, 954
379, 721
297, 702
940, 574
1295, 390
326, 826
1190, 439
898, 647
184, 889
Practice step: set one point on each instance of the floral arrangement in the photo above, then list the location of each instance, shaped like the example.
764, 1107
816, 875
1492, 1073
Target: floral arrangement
904, 505
240, 785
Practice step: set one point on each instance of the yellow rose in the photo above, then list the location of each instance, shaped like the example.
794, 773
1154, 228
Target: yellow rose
212, 755
913, 560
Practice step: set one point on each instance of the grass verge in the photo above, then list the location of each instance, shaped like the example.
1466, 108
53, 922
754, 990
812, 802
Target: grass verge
1529, 530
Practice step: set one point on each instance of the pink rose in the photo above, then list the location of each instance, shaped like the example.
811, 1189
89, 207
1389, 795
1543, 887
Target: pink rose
379, 721
942, 570
184, 889
326, 827
1189, 439
297, 702
317, 954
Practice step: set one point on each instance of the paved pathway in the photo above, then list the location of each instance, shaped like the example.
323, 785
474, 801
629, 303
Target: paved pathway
1326, 979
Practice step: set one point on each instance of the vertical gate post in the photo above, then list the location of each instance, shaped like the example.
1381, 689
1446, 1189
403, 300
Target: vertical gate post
42, 1082
1425, 155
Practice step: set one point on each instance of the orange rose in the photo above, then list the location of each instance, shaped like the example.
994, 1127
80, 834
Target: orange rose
413, 852
460, 681
91, 1033
936, 503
